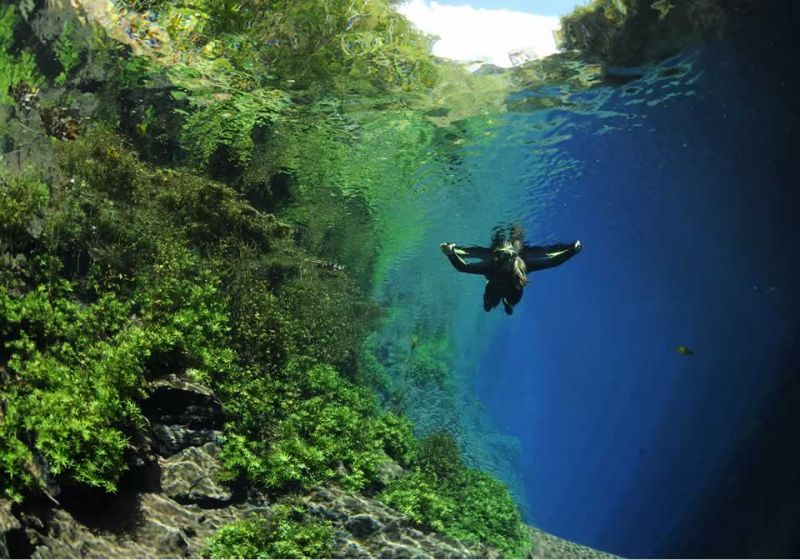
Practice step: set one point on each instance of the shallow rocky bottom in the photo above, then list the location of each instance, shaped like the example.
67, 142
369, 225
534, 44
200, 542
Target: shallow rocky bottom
171, 502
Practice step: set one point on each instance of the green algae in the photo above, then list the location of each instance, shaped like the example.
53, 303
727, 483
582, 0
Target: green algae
286, 533
226, 221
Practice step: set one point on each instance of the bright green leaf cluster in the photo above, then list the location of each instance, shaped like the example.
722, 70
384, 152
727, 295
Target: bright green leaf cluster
286, 532
441, 494
74, 372
66, 51
14, 69
306, 425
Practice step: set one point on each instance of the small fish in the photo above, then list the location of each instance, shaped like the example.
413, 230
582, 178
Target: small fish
684, 350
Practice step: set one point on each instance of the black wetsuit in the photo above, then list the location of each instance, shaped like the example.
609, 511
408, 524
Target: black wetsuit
501, 282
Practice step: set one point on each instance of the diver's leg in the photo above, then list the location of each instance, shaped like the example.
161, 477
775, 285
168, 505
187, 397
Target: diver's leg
539, 258
510, 299
491, 297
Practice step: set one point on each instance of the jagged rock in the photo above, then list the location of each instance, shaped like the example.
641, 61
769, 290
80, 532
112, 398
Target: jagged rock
182, 414
369, 529
190, 477
546, 545
178, 401
170, 439
158, 528
389, 471
8, 523
362, 525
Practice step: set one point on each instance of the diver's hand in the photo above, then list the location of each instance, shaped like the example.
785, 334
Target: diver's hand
448, 248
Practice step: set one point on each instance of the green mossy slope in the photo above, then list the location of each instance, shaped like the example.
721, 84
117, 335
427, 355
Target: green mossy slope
195, 217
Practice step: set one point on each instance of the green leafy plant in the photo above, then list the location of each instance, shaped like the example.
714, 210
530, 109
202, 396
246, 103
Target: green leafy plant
66, 51
14, 69
321, 429
75, 372
441, 494
286, 532
227, 119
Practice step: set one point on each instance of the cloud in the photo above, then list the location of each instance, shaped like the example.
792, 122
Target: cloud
468, 34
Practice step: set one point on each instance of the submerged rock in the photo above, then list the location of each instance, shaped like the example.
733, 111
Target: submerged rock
182, 414
8, 525
158, 527
546, 545
191, 477
368, 528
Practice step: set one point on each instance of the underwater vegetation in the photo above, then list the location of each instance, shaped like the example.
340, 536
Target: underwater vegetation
197, 221
288, 532
212, 190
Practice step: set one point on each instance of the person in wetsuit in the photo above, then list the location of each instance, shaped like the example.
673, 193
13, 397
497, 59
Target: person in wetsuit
506, 265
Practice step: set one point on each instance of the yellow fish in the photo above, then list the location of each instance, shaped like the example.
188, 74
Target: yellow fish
684, 350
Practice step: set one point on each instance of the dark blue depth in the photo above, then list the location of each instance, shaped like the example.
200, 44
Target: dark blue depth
690, 227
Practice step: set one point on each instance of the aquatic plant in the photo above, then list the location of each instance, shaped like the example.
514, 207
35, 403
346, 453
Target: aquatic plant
225, 112
66, 51
115, 270
14, 69
429, 360
322, 428
286, 532
441, 494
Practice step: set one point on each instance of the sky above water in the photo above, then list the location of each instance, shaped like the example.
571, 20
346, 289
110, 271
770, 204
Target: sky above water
488, 30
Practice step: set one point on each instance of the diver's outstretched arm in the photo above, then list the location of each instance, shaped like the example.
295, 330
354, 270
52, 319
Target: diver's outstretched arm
454, 255
473, 252
539, 258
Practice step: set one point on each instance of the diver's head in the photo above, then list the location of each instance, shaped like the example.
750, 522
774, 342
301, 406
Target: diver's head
498, 236
506, 256
504, 252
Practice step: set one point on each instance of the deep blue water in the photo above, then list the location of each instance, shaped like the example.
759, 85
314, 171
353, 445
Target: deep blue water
684, 193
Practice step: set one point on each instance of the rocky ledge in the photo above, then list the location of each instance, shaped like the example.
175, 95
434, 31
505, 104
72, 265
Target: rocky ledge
172, 500
166, 506
367, 528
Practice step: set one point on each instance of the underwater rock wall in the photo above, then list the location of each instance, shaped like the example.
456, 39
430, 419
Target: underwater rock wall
169, 504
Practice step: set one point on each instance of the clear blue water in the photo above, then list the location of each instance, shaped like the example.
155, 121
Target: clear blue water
683, 191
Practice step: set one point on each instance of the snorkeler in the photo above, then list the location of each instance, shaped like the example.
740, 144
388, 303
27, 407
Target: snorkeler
506, 265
